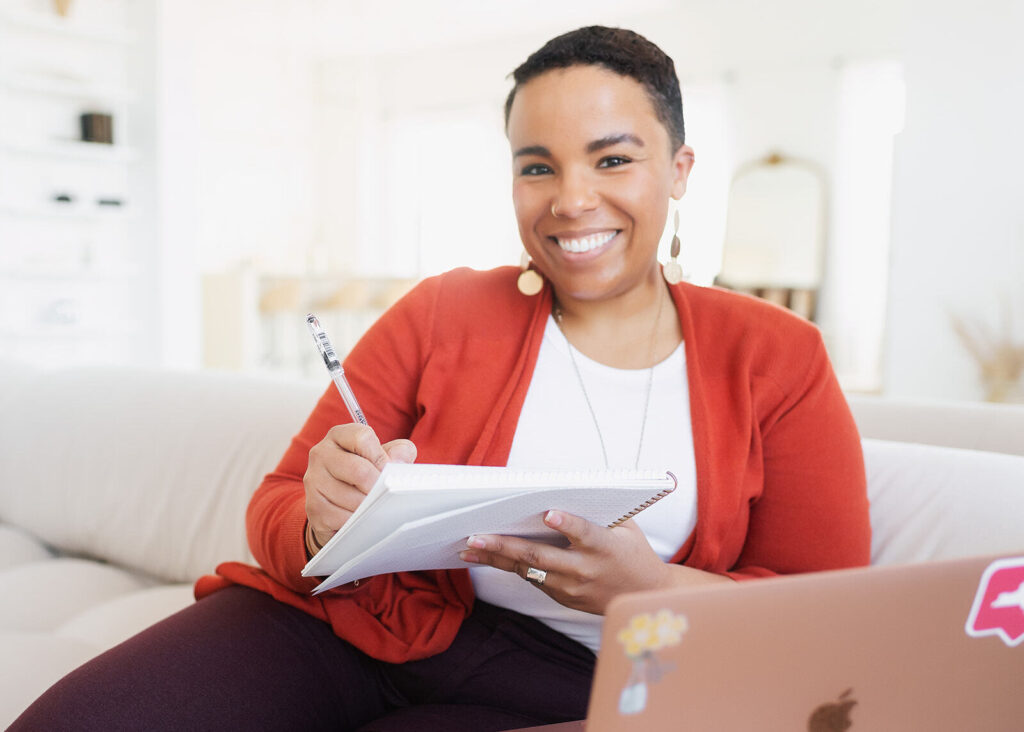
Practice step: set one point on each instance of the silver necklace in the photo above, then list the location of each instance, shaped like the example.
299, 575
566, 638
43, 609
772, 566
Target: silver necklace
586, 397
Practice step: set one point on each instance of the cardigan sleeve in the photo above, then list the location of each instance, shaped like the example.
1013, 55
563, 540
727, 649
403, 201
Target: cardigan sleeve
812, 512
383, 369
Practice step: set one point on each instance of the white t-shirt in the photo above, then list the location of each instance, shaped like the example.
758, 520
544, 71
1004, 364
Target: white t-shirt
556, 430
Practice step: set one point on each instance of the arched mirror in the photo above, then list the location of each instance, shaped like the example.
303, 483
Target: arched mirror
775, 232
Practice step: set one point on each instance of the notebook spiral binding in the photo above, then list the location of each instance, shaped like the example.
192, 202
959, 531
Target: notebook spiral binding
649, 502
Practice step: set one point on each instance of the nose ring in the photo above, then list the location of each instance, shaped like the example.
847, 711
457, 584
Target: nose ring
554, 211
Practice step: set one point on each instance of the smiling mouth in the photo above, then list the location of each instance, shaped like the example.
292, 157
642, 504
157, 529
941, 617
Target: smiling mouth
585, 243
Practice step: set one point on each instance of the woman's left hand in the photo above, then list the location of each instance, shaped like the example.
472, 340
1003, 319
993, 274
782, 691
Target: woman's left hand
599, 563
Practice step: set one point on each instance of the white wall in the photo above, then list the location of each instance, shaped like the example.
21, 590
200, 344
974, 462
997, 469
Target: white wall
275, 117
252, 82
958, 200
235, 87
177, 205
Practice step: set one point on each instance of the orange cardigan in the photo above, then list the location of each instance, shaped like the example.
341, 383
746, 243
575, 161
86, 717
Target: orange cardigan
780, 475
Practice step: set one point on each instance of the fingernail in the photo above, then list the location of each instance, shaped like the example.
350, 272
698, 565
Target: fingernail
553, 519
476, 542
469, 557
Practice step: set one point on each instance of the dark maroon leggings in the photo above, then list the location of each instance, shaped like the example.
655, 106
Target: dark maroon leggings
241, 660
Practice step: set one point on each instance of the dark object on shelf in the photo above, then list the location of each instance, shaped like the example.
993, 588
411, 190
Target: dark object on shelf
97, 127
109, 202
63, 198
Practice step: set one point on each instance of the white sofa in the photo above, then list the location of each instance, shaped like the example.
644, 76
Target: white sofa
119, 487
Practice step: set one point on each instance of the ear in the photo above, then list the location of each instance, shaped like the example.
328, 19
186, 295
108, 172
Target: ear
682, 163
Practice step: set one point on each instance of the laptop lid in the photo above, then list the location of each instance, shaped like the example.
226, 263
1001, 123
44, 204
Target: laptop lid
935, 646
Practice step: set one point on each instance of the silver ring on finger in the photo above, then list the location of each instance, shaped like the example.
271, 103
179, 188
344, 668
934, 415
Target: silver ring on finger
536, 576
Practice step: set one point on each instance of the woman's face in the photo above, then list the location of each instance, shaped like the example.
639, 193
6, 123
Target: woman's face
592, 175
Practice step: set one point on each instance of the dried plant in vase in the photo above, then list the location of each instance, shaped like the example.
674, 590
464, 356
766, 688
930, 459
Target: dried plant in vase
999, 358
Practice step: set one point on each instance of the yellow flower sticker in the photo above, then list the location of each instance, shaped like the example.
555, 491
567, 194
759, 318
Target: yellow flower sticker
647, 633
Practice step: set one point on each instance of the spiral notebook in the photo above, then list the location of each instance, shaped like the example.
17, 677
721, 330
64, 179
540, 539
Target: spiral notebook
419, 516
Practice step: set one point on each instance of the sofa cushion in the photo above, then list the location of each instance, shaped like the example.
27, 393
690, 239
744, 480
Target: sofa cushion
107, 624
45, 594
58, 613
156, 468
30, 663
17, 546
930, 503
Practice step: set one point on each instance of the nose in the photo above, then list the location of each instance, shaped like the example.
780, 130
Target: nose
574, 196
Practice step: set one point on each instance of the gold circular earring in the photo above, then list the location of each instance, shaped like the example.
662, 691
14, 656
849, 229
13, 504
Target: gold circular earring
529, 282
673, 271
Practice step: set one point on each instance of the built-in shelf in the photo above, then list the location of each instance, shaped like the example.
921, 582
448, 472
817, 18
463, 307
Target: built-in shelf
72, 275
71, 331
70, 212
68, 88
91, 152
75, 276
69, 27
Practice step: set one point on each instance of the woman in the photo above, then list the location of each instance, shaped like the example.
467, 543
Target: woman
588, 357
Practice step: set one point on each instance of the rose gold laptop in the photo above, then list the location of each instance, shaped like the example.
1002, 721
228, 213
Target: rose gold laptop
936, 647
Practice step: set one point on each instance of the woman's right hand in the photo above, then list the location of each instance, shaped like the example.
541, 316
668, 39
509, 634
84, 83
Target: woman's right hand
342, 469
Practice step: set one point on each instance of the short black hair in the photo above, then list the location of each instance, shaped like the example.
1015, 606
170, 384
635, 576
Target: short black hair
619, 50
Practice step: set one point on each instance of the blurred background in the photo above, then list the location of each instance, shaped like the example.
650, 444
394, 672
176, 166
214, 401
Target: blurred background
181, 181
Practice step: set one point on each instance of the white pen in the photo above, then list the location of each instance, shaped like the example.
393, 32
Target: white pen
323, 344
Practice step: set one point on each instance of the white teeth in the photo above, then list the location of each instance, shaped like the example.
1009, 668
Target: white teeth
586, 243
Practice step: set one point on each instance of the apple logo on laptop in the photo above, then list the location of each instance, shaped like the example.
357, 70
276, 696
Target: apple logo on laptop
833, 716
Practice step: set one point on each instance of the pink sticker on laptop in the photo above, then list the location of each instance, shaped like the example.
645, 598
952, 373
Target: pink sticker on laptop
999, 604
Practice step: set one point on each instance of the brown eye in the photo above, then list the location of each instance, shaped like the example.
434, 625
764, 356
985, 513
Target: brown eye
535, 169
613, 161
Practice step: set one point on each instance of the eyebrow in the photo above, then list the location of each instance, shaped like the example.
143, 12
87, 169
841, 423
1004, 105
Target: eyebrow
592, 147
610, 140
538, 150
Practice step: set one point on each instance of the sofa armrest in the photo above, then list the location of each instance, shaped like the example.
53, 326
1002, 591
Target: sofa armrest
969, 425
